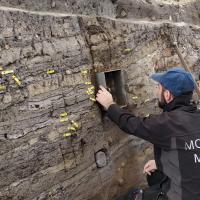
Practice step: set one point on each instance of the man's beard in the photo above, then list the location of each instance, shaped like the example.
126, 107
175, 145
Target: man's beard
162, 103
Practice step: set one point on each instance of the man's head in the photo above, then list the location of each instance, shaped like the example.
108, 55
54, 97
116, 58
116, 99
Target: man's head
172, 84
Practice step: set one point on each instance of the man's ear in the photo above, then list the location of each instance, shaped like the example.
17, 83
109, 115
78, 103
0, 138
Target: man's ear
168, 96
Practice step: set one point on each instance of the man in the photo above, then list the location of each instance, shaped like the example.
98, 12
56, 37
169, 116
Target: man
175, 132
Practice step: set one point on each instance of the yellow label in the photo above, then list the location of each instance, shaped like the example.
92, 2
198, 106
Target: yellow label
7, 72
84, 71
2, 87
75, 124
89, 92
71, 128
67, 134
16, 80
135, 97
91, 88
64, 114
88, 83
63, 120
51, 71
92, 99
127, 50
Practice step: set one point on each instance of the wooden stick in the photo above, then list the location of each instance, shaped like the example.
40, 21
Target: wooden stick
185, 65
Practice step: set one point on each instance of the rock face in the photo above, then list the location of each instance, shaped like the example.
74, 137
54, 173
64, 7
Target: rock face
55, 141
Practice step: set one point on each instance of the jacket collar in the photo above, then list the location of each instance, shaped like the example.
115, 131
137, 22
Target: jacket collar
182, 102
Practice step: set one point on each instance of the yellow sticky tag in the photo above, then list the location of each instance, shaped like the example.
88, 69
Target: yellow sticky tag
135, 97
7, 72
71, 128
63, 120
1, 68
91, 88
64, 114
128, 50
67, 134
88, 83
92, 99
2, 87
89, 92
75, 124
16, 80
147, 100
84, 72
51, 71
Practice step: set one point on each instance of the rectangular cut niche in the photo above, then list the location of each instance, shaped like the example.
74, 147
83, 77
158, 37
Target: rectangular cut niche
114, 81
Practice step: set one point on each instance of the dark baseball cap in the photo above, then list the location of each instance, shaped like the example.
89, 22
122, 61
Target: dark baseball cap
176, 80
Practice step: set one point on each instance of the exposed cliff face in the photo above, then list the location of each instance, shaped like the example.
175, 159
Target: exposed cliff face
180, 10
77, 40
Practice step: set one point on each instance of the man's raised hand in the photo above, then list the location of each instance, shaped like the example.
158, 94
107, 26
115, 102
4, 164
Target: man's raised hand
104, 97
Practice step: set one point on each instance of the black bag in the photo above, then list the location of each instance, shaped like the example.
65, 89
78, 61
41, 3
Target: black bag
158, 186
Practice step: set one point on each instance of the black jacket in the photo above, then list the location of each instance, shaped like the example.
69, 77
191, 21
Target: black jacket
176, 137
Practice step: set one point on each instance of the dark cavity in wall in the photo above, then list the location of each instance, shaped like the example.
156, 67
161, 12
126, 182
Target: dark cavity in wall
114, 82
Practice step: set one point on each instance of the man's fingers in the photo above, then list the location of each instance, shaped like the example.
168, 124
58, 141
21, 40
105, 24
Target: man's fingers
146, 166
148, 169
97, 98
99, 94
149, 173
99, 91
102, 88
145, 170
